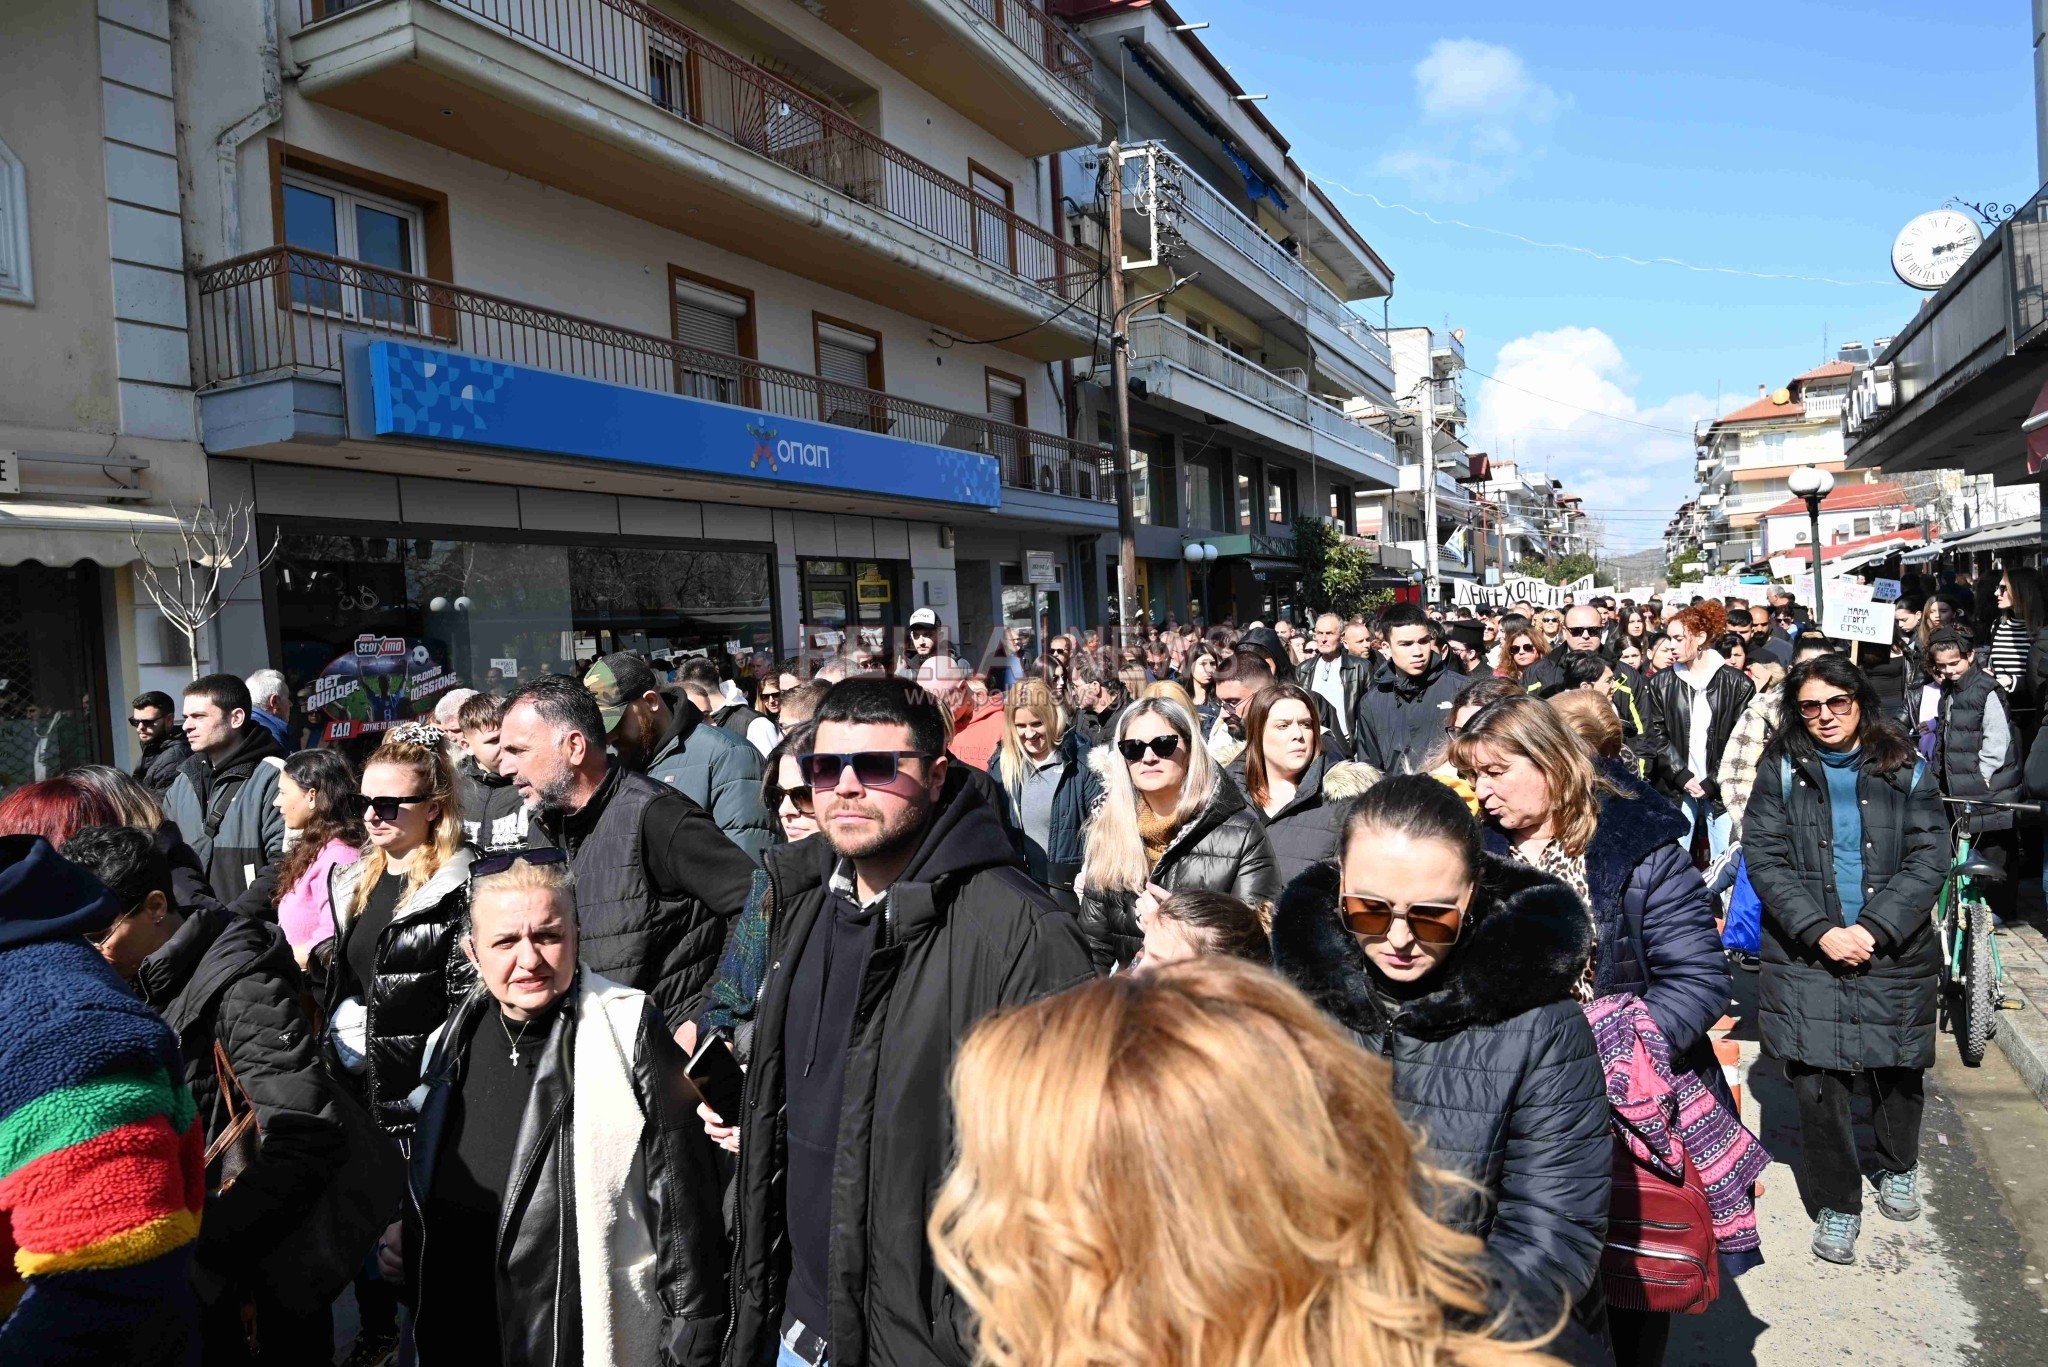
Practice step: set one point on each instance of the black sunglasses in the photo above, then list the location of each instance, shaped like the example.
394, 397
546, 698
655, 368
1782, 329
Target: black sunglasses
139, 722
1582, 631
871, 768
498, 863
802, 797
386, 808
1162, 746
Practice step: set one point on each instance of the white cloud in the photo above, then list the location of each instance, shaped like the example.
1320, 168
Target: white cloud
1536, 411
1482, 117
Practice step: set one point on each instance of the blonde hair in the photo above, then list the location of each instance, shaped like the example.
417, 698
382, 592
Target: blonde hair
1119, 1196
434, 771
1035, 695
134, 804
1115, 859
526, 876
1537, 732
1167, 688
1593, 717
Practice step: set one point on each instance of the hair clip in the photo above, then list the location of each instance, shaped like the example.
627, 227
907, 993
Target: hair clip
424, 734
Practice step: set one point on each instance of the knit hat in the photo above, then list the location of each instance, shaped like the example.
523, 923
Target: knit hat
44, 896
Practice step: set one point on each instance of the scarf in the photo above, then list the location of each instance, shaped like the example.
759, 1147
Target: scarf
1665, 1118
1156, 832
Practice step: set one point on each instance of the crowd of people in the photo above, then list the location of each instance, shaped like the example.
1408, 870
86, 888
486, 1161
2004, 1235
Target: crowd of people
1329, 995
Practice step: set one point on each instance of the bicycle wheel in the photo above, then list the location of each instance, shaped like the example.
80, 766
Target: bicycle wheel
1978, 984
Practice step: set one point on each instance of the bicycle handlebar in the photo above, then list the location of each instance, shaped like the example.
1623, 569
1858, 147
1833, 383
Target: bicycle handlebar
1994, 806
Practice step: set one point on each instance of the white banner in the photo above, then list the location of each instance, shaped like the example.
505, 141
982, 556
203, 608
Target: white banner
1516, 588
1851, 612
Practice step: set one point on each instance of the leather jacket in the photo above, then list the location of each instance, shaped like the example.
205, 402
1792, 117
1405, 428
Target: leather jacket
1667, 725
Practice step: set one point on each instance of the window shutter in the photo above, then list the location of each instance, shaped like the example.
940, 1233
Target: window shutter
1005, 401
708, 319
840, 363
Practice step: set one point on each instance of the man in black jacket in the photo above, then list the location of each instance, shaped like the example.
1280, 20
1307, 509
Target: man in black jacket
1333, 674
218, 978
1401, 716
657, 883
1583, 628
1978, 749
890, 938
154, 718
224, 798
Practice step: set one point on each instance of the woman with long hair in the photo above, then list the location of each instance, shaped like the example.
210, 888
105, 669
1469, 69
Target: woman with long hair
1630, 653
1303, 1237
1734, 650
136, 805
1847, 846
2018, 618
398, 911
1048, 786
316, 794
1614, 841
1523, 649
1203, 662
1195, 924
1689, 711
1292, 779
1169, 819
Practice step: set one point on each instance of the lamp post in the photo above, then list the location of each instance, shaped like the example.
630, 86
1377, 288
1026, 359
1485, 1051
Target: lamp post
1813, 484
1203, 554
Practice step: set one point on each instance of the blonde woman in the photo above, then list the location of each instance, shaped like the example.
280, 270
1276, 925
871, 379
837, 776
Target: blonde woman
1048, 786
398, 911
1078, 1228
1169, 819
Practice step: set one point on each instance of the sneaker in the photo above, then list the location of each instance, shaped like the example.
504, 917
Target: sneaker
1898, 1194
372, 1349
1834, 1236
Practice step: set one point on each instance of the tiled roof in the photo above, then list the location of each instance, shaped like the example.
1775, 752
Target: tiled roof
1762, 409
1833, 370
1905, 536
1847, 498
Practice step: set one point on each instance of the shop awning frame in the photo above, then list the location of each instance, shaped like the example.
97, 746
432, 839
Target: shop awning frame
65, 533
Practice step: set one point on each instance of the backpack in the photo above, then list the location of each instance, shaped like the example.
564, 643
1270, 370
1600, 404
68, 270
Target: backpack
1661, 1255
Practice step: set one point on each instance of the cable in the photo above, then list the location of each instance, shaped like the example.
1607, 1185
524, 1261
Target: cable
952, 336
1565, 403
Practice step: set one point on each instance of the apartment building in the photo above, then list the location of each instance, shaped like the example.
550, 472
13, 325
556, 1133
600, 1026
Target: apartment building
1523, 514
98, 432
536, 330
1249, 385
1427, 364
1744, 459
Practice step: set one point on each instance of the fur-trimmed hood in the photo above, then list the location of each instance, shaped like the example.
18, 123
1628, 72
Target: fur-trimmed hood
1635, 823
1525, 943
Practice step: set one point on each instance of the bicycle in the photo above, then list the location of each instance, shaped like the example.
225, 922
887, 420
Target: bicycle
1972, 972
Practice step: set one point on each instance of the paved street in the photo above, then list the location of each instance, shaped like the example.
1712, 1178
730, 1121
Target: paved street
1966, 1284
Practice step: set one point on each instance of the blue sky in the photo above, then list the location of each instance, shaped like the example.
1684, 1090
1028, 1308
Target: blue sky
1785, 138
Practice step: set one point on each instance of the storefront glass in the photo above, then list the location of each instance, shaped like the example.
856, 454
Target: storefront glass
841, 596
54, 713
377, 626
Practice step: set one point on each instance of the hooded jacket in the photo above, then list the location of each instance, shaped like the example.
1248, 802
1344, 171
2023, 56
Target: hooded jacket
1305, 829
160, 762
421, 972
228, 811
611, 1249
1080, 788
101, 1174
963, 933
1811, 1009
716, 769
1667, 703
494, 816
1494, 1064
1401, 718
1224, 848
226, 979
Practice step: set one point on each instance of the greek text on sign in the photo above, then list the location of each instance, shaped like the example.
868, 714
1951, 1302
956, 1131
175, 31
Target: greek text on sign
1851, 613
1516, 588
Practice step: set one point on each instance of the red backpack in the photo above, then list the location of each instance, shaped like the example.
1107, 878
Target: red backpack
1661, 1254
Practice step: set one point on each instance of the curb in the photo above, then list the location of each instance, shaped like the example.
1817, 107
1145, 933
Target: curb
2023, 1035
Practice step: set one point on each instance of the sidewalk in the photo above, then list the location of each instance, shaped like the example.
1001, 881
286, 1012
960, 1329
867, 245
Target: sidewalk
2023, 950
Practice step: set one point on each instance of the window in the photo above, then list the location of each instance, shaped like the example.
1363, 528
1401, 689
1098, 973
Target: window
1247, 472
16, 284
711, 316
1006, 405
359, 227
668, 83
1343, 509
1280, 496
1209, 491
849, 363
1863, 526
1153, 499
994, 238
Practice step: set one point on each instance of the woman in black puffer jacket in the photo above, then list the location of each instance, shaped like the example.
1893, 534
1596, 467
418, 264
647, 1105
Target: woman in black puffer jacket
396, 969
1295, 781
1169, 820
1493, 1059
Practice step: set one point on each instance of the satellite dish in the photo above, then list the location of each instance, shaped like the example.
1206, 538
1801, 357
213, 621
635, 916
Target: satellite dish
1781, 396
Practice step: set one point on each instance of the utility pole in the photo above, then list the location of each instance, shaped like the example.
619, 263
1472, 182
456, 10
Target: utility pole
1120, 387
1432, 573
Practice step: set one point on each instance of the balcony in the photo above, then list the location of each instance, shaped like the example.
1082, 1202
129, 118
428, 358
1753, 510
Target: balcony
1246, 268
1446, 353
1183, 367
286, 314
1006, 64
1448, 398
616, 102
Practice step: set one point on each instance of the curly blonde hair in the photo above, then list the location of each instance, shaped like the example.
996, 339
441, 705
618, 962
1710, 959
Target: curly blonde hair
1119, 1195
434, 771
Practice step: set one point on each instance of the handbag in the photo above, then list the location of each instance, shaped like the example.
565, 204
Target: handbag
1661, 1254
1743, 930
241, 1139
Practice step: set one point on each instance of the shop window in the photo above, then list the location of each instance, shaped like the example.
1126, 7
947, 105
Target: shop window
709, 315
849, 361
53, 712
994, 237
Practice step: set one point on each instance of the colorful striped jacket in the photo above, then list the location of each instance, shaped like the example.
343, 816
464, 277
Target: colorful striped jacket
102, 1170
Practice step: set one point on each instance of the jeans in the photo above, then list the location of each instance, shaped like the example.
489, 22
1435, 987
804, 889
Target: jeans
785, 1356
1695, 809
1827, 1133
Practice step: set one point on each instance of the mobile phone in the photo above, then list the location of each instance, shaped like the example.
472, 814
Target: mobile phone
717, 1076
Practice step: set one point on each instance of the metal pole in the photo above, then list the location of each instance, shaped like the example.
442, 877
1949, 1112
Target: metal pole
1120, 386
1813, 516
1432, 582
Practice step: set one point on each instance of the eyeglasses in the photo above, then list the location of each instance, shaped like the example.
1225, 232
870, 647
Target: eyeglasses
871, 768
1162, 746
765, 696
1838, 705
386, 808
492, 864
1432, 923
801, 797
1582, 631
1525, 647
144, 723
1551, 622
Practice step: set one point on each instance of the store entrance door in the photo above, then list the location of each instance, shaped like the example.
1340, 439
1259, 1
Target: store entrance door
850, 597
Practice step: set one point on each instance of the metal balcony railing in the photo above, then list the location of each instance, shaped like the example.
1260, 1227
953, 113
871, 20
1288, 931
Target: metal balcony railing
1040, 38
647, 53
1324, 301
284, 311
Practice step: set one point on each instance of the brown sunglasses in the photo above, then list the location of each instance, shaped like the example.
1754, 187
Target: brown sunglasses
1431, 923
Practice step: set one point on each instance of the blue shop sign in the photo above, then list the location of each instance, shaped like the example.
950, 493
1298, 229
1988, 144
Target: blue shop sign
449, 396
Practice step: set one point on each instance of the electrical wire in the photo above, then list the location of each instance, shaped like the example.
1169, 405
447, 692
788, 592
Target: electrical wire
1566, 403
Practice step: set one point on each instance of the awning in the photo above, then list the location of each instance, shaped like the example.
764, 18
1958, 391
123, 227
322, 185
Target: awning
65, 533
1262, 568
1920, 555
2025, 532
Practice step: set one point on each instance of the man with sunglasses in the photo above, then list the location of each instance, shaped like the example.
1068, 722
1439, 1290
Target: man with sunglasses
154, 719
657, 883
891, 936
1583, 632
224, 798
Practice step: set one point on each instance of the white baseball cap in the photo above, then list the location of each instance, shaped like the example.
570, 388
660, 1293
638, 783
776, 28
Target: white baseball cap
924, 617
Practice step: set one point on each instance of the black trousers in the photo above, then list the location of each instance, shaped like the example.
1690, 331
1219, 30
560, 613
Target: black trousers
2000, 849
1640, 1337
1827, 1134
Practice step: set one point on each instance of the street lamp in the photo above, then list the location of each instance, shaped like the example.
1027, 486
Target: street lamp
1203, 554
1813, 484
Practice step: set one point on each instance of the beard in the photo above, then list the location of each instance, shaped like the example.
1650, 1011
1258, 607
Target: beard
890, 836
551, 798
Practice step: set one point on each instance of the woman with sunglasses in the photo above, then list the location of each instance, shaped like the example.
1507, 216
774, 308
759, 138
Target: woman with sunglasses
1847, 844
397, 913
1523, 649
1459, 968
2017, 618
1293, 780
1169, 819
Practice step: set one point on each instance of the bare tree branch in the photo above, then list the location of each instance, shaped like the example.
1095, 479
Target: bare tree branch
210, 565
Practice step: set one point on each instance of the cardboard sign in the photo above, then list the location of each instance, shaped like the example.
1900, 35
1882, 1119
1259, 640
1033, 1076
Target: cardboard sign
1852, 613
1886, 590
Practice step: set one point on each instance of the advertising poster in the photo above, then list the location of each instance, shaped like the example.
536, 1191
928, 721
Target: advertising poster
380, 682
